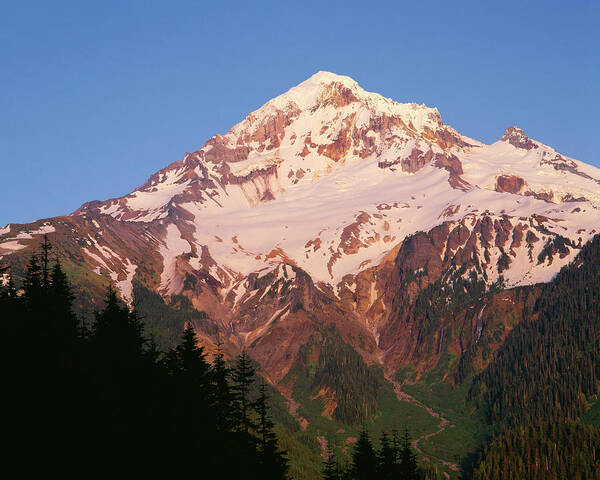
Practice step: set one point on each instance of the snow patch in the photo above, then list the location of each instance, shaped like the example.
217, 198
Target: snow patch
124, 286
98, 259
173, 245
44, 229
12, 246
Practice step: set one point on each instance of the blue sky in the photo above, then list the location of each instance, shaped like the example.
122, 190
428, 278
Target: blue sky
97, 96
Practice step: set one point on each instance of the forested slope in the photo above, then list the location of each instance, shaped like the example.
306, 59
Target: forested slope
543, 379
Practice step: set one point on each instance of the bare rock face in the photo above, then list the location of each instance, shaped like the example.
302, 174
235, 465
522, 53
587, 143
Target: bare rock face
546, 196
221, 152
397, 295
415, 161
337, 95
270, 132
275, 315
509, 183
570, 198
516, 137
560, 163
350, 239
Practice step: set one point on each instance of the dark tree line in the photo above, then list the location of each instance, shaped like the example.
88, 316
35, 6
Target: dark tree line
104, 396
550, 363
342, 369
543, 377
394, 460
550, 451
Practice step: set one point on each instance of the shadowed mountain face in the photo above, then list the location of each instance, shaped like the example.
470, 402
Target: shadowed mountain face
333, 205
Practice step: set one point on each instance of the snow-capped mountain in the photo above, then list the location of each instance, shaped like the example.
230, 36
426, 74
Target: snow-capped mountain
312, 198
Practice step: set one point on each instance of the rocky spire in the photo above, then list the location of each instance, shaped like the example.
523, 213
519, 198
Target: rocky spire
517, 137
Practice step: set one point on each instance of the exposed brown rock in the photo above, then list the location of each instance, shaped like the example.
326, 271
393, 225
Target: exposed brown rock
570, 198
509, 183
503, 228
315, 244
450, 210
517, 237
414, 162
545, 196
564, 164
270, 132
450, 163
342, 144
280, 254
350, 238
338, 95
222, 153
444, 137
516, 137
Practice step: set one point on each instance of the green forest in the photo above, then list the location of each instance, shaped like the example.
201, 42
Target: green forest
542, 381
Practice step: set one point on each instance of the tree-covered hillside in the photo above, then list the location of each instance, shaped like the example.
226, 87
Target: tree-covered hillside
545, 376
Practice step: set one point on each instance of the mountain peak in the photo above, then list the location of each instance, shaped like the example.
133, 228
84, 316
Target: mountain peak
326, 89
308, 93
518, 138
321, 78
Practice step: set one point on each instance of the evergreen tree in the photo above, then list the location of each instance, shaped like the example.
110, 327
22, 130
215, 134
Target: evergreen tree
550, 451
387, 458
192, 380
124, 380
273, 464
117, 330
188, 361
331, 469
3, 282
9, 291
396, 449
223, 397
364, 459
66, 325
10, 305
33, 286
407, 459
113, 397
45, 262
242, 376
193, 425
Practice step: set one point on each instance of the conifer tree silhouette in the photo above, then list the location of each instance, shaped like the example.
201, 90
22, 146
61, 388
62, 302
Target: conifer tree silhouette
364, 460
106, 394
273, 464
45, 247
387, 458
124, 374
407, 459
188, 361
33, 286
192, 374
242, 376
66, 324
223, 397
9, 303
331, 469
